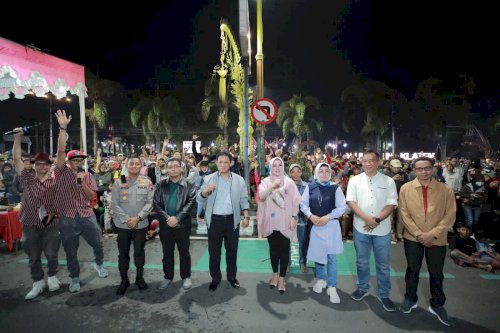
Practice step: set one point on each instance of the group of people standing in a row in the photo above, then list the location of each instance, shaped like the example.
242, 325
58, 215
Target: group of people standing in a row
427, 209
59, 202
57, 207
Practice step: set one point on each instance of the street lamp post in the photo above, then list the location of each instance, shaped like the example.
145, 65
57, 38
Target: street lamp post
246, 50
259, 57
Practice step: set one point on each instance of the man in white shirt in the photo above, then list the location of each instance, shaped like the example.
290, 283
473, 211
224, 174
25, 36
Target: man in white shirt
452, 178
373, 197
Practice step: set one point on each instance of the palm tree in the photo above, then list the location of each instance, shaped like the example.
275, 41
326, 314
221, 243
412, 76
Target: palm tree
442, 101
375, 101
157, 116
100, 92
98, 117
212, 101
292, 117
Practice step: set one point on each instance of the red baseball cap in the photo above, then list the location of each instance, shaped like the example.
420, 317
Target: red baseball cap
75, 154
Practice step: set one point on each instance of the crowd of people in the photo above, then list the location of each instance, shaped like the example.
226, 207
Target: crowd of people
314, 198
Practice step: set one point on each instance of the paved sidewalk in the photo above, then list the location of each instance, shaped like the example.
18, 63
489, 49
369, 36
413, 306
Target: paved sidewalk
472, 298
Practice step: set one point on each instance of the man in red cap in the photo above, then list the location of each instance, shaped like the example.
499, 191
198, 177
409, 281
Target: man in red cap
37, 217
76, 189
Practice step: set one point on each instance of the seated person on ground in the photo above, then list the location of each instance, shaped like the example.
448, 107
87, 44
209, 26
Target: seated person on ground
463, 249
486, 252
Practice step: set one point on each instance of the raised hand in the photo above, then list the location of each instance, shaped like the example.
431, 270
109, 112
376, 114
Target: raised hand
62, 119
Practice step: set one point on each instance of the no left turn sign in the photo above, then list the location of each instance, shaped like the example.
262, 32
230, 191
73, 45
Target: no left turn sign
264, 111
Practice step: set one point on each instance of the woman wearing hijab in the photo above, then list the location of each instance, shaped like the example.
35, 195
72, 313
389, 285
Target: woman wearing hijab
278, 207
323, 203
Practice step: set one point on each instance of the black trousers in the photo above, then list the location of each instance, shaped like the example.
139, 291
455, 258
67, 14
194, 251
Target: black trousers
169, 238
222, 228
435, 257
307, 237
40, 240
279, 251
125, 237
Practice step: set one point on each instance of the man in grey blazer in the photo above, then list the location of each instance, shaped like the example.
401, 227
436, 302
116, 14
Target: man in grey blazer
226, 197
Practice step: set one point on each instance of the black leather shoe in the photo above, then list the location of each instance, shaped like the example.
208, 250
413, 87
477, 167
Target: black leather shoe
234, 283
141, 284
122, 288
213, 285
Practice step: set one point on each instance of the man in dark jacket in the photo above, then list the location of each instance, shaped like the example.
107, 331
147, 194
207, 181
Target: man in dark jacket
173, 202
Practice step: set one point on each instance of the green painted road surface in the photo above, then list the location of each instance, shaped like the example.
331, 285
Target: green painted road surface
258, 261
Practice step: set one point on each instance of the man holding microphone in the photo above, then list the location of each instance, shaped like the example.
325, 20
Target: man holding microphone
37, 217
76, 189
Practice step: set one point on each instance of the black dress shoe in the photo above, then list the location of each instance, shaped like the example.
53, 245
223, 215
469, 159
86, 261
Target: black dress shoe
234, 283
122, 288
141, 284
213, 285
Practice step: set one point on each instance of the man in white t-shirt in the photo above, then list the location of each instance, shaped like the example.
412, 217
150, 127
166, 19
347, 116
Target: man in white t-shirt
373, 197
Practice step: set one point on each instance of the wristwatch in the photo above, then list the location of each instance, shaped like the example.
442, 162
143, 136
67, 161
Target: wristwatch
377, 219
140, 218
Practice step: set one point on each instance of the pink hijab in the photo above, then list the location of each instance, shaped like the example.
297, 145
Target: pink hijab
276, 211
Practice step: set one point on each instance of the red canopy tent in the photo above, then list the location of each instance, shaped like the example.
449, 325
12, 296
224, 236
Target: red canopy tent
24, 70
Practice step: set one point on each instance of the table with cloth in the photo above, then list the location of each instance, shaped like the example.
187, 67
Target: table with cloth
11, 229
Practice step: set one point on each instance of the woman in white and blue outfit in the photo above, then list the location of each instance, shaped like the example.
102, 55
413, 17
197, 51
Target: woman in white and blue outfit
323, 203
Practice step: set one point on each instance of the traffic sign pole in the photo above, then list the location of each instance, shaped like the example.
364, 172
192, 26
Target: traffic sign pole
263, 112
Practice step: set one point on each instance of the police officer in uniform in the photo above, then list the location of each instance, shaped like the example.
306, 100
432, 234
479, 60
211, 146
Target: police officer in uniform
131, 202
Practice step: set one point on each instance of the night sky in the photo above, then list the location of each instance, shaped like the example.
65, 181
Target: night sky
311, 47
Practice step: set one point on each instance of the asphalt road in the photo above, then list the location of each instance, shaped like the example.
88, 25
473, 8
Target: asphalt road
472, 298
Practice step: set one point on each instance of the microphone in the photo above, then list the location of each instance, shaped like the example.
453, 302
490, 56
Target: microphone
123, 179
79, 180
26, 131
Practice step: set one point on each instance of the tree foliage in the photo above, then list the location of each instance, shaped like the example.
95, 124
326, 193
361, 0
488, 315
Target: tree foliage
100, 93
294, 117
212, 103
368, 105
157, 116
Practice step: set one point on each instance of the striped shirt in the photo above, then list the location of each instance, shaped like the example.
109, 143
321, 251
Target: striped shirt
71, 199
35, 195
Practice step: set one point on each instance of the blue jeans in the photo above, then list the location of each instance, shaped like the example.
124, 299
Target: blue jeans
70, 230
472, 216
331, 267
363, 244
301, 228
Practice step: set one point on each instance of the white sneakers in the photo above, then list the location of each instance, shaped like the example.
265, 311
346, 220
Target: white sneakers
53, 283
187, 283
319, 286
332, 291
334, 297
38, 287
